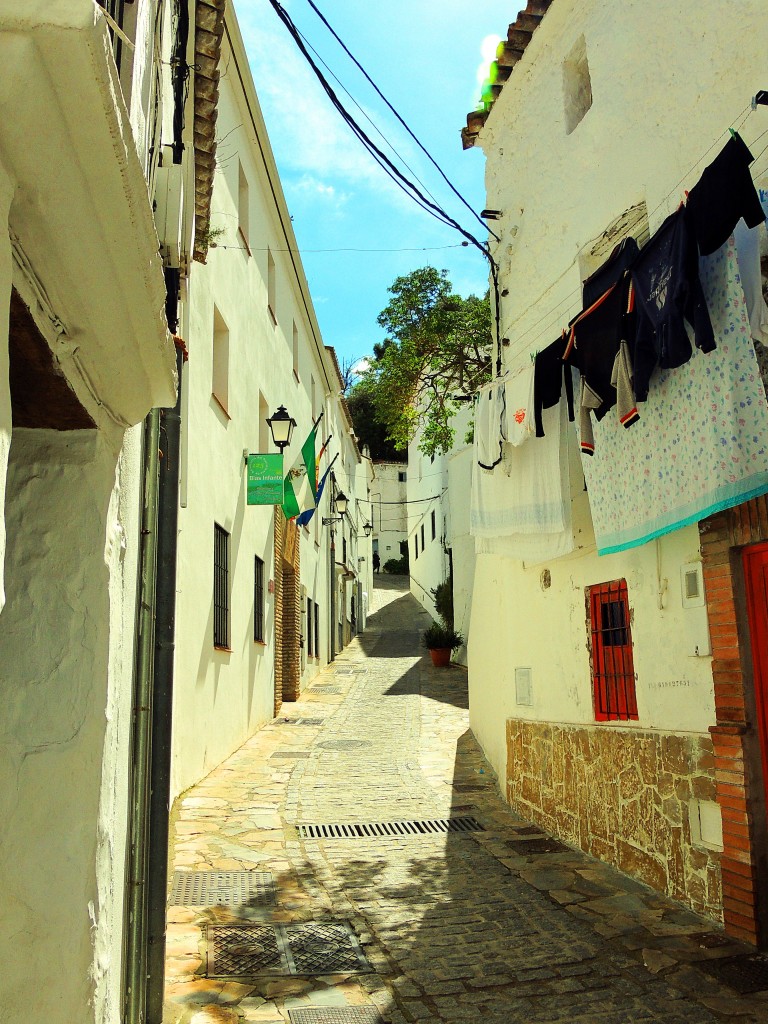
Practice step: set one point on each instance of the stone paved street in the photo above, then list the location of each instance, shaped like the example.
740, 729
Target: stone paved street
456, 927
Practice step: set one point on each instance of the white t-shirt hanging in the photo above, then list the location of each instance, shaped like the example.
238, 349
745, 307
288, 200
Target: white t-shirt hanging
518, 420
748, 256
488, 417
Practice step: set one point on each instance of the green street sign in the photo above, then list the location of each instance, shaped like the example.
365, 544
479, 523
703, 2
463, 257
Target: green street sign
265, 479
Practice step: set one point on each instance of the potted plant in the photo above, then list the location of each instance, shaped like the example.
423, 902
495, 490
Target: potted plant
440, 640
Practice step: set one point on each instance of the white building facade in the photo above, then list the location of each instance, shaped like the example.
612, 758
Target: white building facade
597, 114
389, 492
88, 355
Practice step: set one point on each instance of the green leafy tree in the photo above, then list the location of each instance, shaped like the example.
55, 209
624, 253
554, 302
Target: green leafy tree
437, 352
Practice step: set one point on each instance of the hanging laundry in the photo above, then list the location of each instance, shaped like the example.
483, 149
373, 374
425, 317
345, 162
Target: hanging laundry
702, 444
549, 374
525, 503
748, 254
594, 348
489, 409
668, 292
611, 272
724, 193
518, 406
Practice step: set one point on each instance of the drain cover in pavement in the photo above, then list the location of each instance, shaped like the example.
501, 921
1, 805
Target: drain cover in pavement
300, 721
289, 754
222, 889
325, 689
544, 845
343, 744
336, 1015
746, 974
388, 829
312, 948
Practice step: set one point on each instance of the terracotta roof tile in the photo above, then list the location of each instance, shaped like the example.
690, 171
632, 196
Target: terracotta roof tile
519, 35
209, 30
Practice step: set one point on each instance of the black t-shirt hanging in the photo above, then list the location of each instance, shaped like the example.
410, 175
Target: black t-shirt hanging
725, 193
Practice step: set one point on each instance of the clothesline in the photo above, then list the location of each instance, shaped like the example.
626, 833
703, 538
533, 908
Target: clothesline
571, 303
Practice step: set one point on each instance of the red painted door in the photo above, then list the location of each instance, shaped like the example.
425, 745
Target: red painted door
756, 577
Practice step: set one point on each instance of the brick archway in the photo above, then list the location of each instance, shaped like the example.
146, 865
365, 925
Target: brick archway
738, 770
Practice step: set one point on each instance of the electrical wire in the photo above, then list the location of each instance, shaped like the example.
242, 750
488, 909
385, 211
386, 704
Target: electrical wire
370, 121
384, 162
301, 252
381, 95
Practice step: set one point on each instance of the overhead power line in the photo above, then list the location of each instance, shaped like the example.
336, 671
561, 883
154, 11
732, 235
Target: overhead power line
381, 95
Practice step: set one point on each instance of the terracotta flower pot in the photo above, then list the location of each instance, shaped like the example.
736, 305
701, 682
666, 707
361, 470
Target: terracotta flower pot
441, 656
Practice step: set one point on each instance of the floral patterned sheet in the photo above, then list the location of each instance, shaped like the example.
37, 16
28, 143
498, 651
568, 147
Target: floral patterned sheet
701, 443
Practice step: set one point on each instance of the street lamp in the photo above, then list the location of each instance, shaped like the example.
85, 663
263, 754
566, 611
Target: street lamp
341, 503
281, 425
367, 529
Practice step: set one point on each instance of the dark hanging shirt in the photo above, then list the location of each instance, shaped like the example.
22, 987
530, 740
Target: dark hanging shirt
614, 268
594, 340
548, 381
668, 292
725, 193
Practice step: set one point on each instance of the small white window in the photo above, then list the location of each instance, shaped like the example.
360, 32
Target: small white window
524, 686
220, 369
577, 85
243, 208
271, 287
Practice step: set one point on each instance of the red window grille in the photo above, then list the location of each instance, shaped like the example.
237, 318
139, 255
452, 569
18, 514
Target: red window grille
613, 667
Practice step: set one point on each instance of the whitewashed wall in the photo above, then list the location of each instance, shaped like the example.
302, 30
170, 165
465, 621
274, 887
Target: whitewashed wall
666, 82
390, 513
222, 697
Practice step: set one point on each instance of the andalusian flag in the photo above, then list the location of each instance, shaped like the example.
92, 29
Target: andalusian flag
301, 480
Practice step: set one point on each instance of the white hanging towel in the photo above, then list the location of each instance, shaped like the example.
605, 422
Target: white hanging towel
518, 406
748, 256
525, 511
488, 415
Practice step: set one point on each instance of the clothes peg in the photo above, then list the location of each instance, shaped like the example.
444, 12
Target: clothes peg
733, 133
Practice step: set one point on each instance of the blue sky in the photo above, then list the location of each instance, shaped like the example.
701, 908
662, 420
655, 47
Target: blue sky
424, 55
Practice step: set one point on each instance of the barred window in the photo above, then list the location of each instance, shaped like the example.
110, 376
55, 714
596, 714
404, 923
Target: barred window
317, 629
258, 600
434, 526
613, 669
310, 630
220, 587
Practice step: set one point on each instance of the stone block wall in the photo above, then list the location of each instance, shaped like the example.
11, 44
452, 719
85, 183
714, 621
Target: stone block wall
622, 796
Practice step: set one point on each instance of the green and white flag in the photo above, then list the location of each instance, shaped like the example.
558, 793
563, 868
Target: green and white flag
300, 481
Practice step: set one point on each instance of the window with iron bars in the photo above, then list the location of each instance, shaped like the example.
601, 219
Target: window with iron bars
220, 587
613, 667
317, 629
258, 600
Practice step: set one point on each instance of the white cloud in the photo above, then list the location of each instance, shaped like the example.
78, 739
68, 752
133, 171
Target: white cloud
312, 140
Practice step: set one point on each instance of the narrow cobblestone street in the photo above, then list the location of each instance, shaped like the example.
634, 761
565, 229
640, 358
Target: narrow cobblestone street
502, 925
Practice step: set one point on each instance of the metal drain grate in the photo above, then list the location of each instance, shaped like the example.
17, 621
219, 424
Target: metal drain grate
326, 689
336, 1015
543, 845
312, 948
300, 721
288, 755
343, 744
222, 889
746, 974
392, 829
